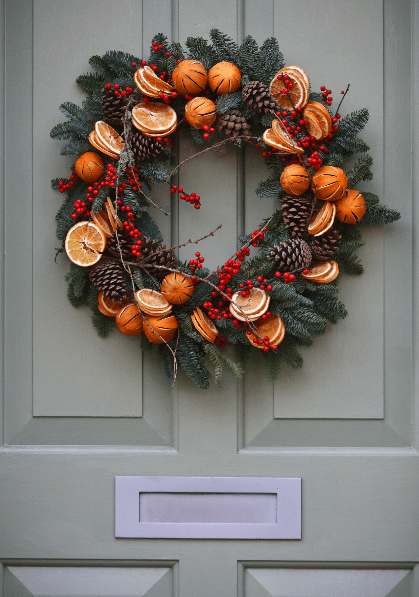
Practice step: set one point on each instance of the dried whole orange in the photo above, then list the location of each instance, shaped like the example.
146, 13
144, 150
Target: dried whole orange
85, 243
189, 77
224, 77
129, 320
351, 208
161, 328
295, 180
90, 167
177, 288
199, 112
329, 183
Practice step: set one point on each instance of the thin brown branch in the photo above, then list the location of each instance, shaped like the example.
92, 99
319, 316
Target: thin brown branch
198, 240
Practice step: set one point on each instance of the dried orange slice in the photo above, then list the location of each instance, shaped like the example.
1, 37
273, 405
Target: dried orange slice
85, 243
102, 220
297, 95
113, 218
152, 79
271, 138
330, 275
318, 270
313, 125
204, 325
108, 137
323, 219
149, 133
107, 306
282, 134
272, 327
323, 117
152, 302
98, 145
154, 117
250, 307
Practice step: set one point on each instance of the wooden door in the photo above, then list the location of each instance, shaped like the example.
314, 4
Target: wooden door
79, 411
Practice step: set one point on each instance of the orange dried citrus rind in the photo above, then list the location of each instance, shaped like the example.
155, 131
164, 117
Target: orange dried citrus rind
271, 138
297, 96
177, 288
102, 220
108, 137
152, 79
107, 306
152, 302
113, 218
323, 117
154, 117
160, 328
249, 307
93, 139
272, 327
204, 325
323, 219
318, 270
313, 125
85, 243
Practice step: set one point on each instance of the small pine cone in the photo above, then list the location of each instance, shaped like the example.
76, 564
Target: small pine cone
144, 148
125, 242
257, 95
108, 276
113, 107
325, 246
234, 124
153, 254
296, 212
290, 255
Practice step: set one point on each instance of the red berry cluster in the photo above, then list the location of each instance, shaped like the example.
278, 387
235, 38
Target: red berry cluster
135, 248
196, 263
262, 284
207, 131
266, 343
326, 94
221, 341
256, 236
79, 209
118, 92
64, 186
109, 181
156, 46
193, 198
288, 84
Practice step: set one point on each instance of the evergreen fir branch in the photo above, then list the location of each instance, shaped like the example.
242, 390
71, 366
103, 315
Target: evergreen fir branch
315, 96
55, 182
313, 322
78, 277
293, 325
100, 65
269, 187
330, 307
199, 49
287, 350
352, 145
191, 356
148, 227
360, 171
74, 113
213, 354
91, 83
72, 130
242, 352
157, 170
250, 59
271, 59
370, 199
351, 124
75, 148
196, 135
103, 325
167, 360
99, 200
350, 264
216, 355
272, 363
266, 121
176, 52
120, 63
77, 300
137, 275
379, 214
229, 101
225, 48
94, 107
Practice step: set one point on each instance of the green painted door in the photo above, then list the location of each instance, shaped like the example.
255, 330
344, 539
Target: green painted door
79, 411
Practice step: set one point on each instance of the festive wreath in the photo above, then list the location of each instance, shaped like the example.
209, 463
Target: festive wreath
221, 94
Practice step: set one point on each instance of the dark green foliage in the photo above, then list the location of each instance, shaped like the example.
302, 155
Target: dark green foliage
219, 359
200, 49
272, 363
192, 358
270, 187
360, 171
224, 47
229, 101
103, 325
287, 351
100, 199
158, 170
260, 64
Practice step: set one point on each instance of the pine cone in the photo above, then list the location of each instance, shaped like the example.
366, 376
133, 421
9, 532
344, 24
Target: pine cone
290, 255
125, 243
296, 212
108, 276
325, 246
144, 148
153, 254
233, 123
113, 106
257, 95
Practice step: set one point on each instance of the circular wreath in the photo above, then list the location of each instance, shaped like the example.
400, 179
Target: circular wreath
220, 94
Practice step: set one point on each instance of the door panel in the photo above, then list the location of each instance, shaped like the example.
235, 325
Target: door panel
79, 410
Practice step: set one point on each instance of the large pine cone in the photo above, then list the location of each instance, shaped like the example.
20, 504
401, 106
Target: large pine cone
144, 148
290, 255
325, 246
296, 212
113, 106
108, 276
233, 123
125, 243
153, 254
257, 95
